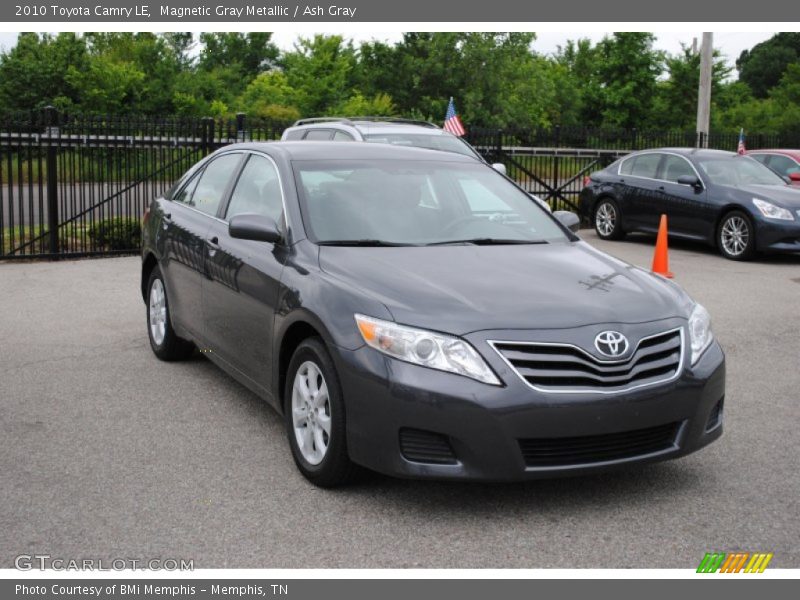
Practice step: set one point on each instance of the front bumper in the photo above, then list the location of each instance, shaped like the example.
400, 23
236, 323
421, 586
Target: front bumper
484, 424
778, 236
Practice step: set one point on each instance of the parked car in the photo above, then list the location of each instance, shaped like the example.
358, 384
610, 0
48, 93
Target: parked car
382, 130
388, 130
721, 198
785, 163
415, 313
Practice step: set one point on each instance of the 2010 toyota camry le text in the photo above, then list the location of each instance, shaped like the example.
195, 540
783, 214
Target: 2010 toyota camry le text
414, 312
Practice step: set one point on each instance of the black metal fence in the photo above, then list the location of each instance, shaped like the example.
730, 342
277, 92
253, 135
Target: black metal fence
78, 184
74, 185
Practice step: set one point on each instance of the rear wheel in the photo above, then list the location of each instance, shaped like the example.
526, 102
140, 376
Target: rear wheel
607, 220
736, 236
315, 420
165, 343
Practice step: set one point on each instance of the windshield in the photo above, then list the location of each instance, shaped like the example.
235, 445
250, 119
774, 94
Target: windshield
738, 170
447, 143
417, 202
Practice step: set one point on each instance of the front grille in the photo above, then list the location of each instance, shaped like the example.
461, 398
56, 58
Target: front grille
572, 451
421, 446
564, 367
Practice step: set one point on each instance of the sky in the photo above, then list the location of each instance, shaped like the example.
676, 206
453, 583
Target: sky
730, 44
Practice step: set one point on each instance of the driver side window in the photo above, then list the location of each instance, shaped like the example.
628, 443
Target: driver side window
258, 191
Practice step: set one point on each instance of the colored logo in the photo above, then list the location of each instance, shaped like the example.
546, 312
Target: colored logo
611, 343
735, 562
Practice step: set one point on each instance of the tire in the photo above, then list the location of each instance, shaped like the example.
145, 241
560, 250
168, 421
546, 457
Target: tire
319, 453
164, 341
607, 220
736, 239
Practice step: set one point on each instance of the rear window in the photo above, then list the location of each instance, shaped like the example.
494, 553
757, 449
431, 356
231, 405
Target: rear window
296, 134
318, 134
645, 165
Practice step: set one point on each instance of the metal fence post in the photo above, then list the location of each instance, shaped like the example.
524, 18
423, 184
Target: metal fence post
207, 134
240, 131
51, 131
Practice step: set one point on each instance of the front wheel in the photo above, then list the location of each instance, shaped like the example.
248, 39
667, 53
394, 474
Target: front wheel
164, 341
736, 236
608, 220
315, 419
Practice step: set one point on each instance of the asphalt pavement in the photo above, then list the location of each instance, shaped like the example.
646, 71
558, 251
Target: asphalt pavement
106, 452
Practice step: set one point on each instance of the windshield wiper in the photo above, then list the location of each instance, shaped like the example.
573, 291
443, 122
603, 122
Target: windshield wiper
373, 243
489, 242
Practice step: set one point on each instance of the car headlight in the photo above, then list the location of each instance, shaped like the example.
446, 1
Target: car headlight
700, 334
426, 348
772, 211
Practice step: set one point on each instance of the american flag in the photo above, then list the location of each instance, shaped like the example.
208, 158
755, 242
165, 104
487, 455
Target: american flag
740, 148
451, 121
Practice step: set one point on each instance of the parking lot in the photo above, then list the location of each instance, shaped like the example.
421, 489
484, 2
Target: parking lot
107, 452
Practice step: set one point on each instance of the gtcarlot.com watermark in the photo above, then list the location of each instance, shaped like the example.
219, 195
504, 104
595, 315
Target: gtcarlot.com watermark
45, 562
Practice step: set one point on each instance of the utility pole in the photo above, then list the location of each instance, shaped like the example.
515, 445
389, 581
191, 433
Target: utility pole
704, 90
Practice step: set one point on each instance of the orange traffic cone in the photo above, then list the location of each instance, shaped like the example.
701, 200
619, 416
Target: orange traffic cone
661, 256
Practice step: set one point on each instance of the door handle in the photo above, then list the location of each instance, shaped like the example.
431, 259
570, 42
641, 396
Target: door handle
661, 187
213, 242
166, 220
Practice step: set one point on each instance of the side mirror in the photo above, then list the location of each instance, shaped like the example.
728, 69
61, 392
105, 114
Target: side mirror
691, 180
254, 227
794, 176
500, 168
568, 219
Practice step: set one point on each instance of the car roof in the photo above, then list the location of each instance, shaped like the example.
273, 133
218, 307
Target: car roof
694, 152
786, 151
370, 125
305, 150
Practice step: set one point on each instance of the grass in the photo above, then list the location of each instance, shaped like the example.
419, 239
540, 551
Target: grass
120, 233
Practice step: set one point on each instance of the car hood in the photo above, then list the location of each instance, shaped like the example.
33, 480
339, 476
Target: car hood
461, 289
788, 196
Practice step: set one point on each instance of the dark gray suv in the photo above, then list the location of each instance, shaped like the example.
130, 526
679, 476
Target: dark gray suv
415, 313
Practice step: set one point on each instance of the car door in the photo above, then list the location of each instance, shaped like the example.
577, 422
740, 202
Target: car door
686, 206
188, 217
243, 276
640, 200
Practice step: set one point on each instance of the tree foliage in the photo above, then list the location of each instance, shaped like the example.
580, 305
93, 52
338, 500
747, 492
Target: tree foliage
763, 66
495, 78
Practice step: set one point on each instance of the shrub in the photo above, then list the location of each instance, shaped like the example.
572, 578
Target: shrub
119, 233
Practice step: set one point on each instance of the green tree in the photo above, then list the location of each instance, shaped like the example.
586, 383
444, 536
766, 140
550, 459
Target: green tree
627, 68
762, 67
358, 104
148, 53
247, 53
321, 70
33, 73
675, 105
270, 95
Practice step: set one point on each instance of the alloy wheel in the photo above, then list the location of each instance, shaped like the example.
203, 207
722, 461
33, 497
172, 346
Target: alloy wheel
606, 219
158, 312
311, 413
735, 235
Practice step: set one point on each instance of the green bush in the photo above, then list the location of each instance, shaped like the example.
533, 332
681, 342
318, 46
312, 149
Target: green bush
120, 233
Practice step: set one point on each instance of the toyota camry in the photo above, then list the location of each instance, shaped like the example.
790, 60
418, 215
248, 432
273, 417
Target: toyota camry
415, 313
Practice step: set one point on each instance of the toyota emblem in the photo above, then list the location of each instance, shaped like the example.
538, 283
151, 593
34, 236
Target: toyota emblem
611, 343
